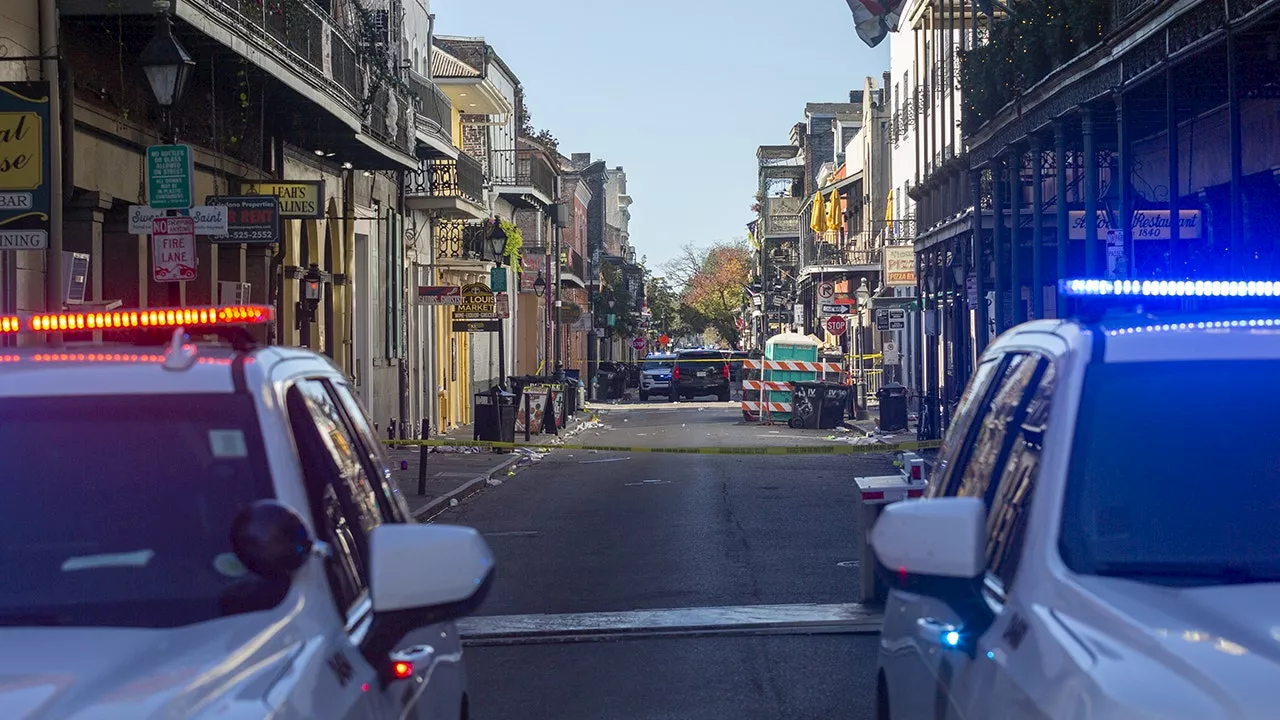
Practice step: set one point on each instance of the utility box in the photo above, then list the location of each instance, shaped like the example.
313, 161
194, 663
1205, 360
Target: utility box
801, 350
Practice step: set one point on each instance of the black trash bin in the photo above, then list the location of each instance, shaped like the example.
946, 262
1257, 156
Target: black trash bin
495, 416
835, 399
893, 407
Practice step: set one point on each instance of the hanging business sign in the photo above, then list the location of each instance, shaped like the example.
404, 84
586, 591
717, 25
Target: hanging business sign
899, 265
1146, 225
478, 303
253, 220
299, 199
24, 165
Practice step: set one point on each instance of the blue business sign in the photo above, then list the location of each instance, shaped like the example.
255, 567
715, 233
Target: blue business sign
24, 165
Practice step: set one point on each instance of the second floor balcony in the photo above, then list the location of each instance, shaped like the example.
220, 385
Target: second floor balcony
452, 188
572, 268
523, 173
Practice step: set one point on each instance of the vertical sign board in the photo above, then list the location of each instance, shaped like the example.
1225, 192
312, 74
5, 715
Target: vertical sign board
173, 249
24, 163
899, 265
170, 173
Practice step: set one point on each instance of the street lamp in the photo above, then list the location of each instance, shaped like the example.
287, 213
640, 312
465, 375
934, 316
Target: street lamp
539, 285
863, 294
497, 240
312, 290
498, 243
167, 65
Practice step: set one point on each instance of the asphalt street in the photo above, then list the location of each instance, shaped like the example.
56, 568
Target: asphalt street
589, 532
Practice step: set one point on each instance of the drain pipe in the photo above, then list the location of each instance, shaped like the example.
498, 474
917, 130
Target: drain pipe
50, 54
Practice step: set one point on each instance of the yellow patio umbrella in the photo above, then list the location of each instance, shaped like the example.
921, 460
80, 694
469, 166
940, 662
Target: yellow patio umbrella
835, 219
888, 207
818, 223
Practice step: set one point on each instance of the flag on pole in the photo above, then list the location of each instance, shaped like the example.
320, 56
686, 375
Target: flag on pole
874, 20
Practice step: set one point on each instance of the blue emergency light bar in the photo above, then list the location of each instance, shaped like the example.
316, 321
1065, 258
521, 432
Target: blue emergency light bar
1169, 288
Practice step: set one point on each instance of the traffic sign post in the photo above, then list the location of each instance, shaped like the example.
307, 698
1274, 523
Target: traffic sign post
837, 325
173, 249
170, 169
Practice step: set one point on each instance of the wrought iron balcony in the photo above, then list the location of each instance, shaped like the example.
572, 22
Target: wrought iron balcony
461, 240
571, 263
523, 169
455, 187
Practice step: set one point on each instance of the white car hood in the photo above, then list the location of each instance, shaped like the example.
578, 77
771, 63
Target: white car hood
1222, 643
137, 674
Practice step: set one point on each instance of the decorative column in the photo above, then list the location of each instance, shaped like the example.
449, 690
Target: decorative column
999, 242
1090, 192
979, 263
1037, 227
1064, 219
1015, 237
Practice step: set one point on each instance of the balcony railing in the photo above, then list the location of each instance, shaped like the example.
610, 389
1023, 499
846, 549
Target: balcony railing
523, 168
782, 225
824, 253
460, 240
309, 39
571, 262
442, 177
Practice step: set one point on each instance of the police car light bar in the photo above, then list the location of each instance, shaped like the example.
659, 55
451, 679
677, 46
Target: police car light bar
160, 319
1169, 288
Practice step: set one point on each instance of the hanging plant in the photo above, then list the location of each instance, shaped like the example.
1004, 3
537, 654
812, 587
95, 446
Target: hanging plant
515, 241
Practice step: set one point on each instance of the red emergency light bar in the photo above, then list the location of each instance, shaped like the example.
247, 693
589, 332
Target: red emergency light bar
162, 318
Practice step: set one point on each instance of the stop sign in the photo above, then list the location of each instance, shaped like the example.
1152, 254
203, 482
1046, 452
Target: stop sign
836, 325
638, 343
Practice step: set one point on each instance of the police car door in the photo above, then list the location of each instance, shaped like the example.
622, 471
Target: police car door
437, 682
343, 516
999, 681
990, 441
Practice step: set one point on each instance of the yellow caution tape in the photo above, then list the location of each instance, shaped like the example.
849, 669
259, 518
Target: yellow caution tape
757, 450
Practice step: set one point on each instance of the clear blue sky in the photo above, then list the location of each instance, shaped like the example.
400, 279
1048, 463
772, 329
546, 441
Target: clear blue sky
678, 92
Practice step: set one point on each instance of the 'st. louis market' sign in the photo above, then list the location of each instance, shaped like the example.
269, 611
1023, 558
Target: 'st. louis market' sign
478, 303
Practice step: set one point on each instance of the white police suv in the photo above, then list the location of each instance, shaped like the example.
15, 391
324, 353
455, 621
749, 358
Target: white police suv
210, 530
1100, 538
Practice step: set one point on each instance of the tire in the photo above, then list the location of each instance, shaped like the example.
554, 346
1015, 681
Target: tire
724, 395
674, 396
882, 700
644, 396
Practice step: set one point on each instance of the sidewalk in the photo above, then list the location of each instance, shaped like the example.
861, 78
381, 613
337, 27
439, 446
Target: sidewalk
455, 473
450, 475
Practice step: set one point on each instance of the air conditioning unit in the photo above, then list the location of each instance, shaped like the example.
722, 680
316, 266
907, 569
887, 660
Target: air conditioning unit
562, 215
75, 277
234, 293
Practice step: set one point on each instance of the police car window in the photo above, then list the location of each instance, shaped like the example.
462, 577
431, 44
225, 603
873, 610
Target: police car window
993, 438
971, 405
336, 516
116, 511
390, 501
344, 451
1007, 522
1161, 493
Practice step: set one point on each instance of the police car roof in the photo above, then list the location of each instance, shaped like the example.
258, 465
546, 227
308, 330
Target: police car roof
124, 369
1218, 335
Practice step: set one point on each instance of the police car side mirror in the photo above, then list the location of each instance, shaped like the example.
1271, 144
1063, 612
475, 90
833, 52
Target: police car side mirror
271, 539
422, 575
926, 546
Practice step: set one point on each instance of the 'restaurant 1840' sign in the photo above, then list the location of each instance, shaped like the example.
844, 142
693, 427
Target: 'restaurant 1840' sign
24, 165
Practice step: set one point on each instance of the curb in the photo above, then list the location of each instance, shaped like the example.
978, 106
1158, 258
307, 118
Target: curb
463, 490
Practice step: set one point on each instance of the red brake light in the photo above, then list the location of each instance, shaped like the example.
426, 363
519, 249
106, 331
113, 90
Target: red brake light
726, 371
10, 324
675, 373
916, 470
160, 318
402, 670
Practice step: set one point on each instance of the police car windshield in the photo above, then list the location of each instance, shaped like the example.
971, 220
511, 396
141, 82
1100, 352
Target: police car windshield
117, 510
659, 364
1175, 473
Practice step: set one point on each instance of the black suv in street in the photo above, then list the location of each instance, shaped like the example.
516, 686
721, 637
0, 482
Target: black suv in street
700, 372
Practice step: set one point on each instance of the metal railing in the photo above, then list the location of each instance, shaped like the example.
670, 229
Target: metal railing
459, 239
298, 31
442, 177
572, 263
522, 168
